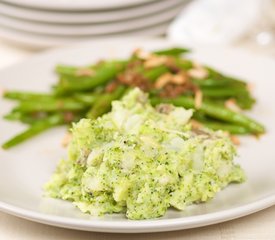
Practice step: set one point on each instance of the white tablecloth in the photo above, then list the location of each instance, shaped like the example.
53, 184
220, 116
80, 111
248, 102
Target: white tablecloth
257, 226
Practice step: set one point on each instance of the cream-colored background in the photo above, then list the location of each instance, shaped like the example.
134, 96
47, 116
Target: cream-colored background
258, 226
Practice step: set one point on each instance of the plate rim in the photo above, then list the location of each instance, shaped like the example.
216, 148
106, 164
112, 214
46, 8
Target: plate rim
40, 41
81, 5
141, 226
85, 17
86, 30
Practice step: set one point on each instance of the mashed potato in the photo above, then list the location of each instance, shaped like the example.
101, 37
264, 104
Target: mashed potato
140, 161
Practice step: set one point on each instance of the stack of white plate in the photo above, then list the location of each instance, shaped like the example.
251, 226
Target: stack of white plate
46, 23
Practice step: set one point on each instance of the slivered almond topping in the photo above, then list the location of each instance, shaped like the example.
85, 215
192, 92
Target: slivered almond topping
232, 105
196, 64
250, 87
198, 71
2, 91
235, 140
66, 140
195, 124
163, 80
85, 72
142, 54
179, 78
226, 133
198, 98
155, 61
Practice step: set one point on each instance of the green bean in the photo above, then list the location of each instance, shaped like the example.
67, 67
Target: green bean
211, 82
217, 75
33, 130
25, 117
80, 92
66, 70
103, 103
218, 125
26, 96
245, 102
75, 71
231, 128
223, 92
172, 51
154, 73
13, 116
105, 72
50, 105
86, 98
183, 64
216, 112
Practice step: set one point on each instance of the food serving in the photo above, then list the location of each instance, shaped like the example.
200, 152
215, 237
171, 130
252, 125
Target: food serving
168, 76
140, 160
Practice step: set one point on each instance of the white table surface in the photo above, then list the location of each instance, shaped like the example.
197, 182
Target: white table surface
258, 226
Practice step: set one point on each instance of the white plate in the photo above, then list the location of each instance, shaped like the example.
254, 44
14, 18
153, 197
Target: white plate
40, 41
89, 29
79, 4
90, 16
24, 169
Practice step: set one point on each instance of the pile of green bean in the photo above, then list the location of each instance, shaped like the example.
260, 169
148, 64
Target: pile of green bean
81, 92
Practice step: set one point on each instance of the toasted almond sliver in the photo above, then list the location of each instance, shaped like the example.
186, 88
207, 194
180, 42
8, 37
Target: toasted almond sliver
136, 51
250, 87
198, 72
235, 140
163, 80
179, 78
195, 124
141, 54
155, 61
2, 91
197, 64
66, 140
198, 99
232, 105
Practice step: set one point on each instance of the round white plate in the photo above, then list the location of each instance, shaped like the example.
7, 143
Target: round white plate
40, 41
89, 29
24, 169
90, 16
79, 4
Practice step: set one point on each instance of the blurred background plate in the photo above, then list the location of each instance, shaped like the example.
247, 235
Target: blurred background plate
89, 29
78, 4
87, 16
48, 23
39, 41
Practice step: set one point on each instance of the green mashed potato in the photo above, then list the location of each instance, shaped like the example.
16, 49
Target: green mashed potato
140, 160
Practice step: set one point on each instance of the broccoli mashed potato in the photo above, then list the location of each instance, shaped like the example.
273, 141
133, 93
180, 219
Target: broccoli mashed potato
140, 160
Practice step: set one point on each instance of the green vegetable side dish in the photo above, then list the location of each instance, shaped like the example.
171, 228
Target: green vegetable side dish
139, 160
167, 75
